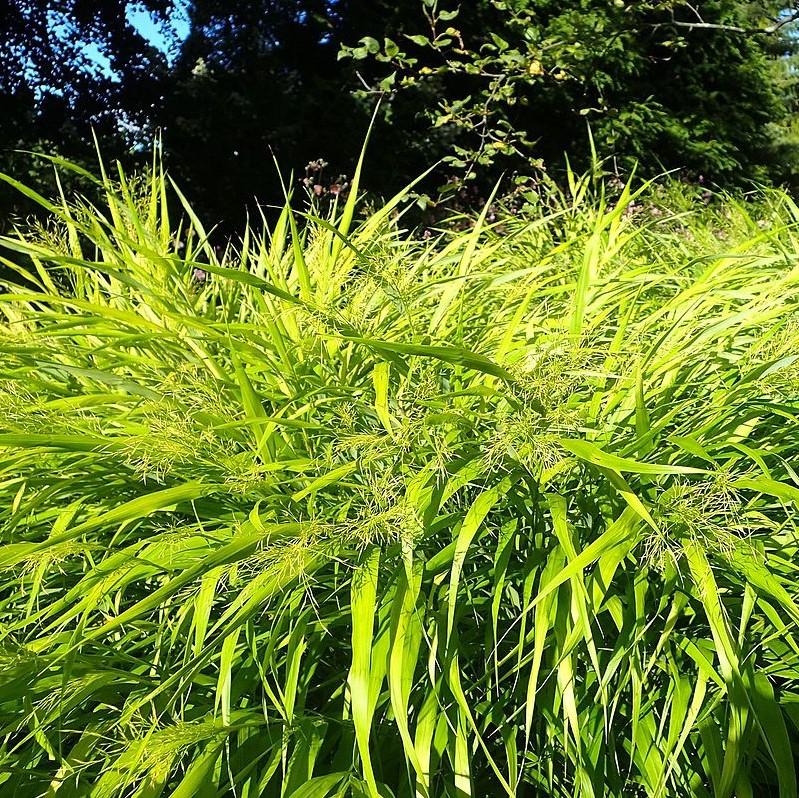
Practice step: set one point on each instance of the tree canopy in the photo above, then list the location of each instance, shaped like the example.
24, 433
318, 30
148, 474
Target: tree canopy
70, 67
490, 87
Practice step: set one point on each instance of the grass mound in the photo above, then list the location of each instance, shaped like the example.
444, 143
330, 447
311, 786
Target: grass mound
341, 511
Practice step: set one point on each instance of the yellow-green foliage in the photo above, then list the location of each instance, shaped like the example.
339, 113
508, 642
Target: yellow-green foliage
346, 511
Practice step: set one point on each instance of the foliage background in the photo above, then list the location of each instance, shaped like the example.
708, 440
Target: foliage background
492, 86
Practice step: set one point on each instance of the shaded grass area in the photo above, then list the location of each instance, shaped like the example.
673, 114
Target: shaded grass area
345, 511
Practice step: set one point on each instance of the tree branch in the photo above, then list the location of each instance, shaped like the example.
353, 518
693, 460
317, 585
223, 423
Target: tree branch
700, 24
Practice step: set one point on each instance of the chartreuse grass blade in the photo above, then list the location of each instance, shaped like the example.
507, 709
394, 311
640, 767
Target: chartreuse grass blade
404, 649
364, 602
591, 453
471, 524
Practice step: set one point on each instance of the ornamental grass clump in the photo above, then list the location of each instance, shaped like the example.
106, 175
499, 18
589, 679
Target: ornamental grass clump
344, 511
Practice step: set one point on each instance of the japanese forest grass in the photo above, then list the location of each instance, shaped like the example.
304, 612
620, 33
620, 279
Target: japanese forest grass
348, 511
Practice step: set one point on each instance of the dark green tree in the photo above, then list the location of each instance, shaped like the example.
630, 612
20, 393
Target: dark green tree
491, 86
68, 67
702, 86
261, 81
